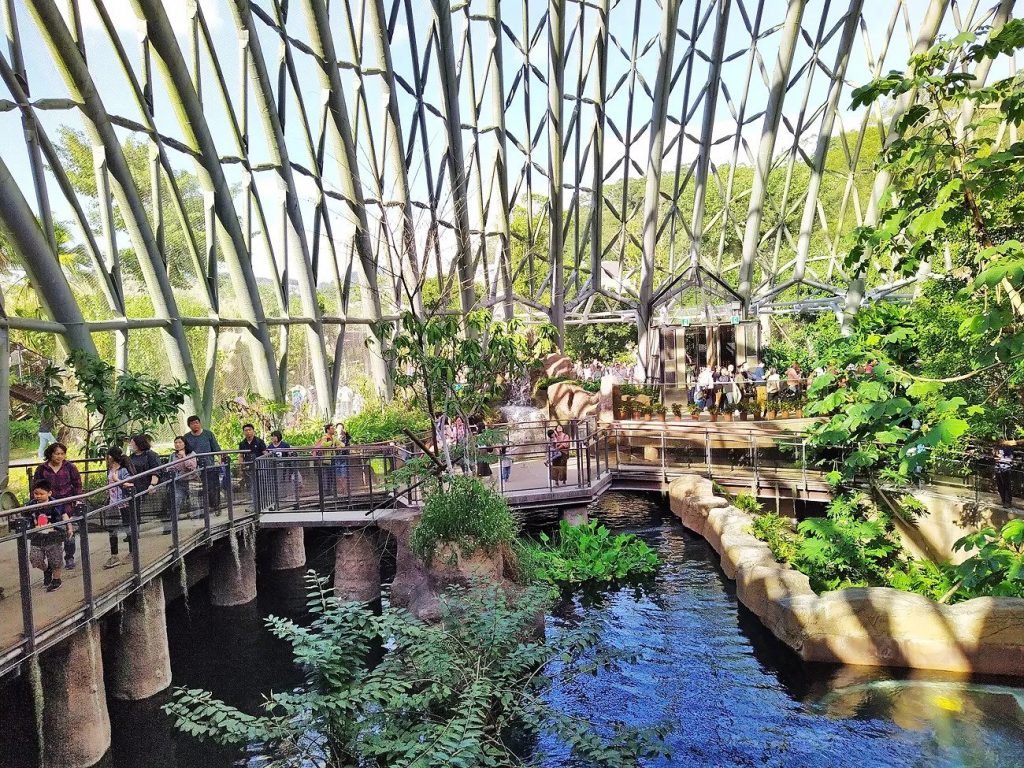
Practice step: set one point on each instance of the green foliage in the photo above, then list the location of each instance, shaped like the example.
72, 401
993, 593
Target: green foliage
955, 194
441, 696
116, 406
776, 533
604, 342
386, 421
744, 502
997, 567
584, 553
852, 546
463, 512
24, 433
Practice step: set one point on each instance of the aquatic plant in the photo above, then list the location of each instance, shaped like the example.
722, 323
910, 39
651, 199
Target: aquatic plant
581, 553
437, 696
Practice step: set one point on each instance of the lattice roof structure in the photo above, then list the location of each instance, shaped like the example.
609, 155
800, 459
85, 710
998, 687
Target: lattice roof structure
285, 173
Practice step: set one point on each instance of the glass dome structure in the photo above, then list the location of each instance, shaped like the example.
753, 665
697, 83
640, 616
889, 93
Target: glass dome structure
250, 185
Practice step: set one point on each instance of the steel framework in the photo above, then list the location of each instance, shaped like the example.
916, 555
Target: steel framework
323, 164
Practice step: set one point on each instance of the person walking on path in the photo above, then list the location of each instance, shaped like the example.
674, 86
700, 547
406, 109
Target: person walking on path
65, 481
562, 443
1004, 468
46, 552
46, 437
121, 507
142, 458
182, 464
203, 443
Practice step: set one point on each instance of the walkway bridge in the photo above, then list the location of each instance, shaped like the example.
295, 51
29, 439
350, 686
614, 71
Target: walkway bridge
161, 524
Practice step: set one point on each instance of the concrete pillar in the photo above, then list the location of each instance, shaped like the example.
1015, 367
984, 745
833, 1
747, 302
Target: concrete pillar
357, 567
232, 582
77, 730
575, 516
287, 548
140, 661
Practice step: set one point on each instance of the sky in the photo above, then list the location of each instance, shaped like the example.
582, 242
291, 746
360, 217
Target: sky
635, 49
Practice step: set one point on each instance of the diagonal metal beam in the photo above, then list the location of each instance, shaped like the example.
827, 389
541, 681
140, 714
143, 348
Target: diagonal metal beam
295, 234
194, 125
40, 262
556, 85
72, 65
772, 117
456, 154
319, 25
652, 192
925, 39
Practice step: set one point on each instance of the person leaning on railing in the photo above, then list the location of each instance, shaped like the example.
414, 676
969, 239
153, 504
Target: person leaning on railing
142, 458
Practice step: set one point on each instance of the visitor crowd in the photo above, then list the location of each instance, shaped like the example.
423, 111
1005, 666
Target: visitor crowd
173, 486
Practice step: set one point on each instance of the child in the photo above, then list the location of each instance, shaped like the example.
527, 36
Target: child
47, 551
117, 473
505, 463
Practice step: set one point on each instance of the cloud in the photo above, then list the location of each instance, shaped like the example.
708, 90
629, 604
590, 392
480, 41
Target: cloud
125, 18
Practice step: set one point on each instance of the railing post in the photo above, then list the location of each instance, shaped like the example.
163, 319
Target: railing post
83, 532
707, 451
753, 465
664, 449
225, 477
204, 492
133, 537
25, 579
173, 505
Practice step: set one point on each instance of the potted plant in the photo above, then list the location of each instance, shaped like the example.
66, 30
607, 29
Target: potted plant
712, 413
799, 406
784, 401
628, 409
648, 411
677, 411
660, 411
742, 408
771, 410
694, 411
727, 412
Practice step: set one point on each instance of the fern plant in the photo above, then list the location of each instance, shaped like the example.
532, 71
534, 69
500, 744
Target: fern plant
441, 695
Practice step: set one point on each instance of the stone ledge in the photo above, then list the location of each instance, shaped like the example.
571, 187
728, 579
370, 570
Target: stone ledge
875, 626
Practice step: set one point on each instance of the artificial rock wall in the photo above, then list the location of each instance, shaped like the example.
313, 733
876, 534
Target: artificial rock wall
875, 626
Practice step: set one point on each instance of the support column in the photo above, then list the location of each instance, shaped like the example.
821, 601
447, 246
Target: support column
357, 567
233, 582
140, 661
575, 516
287, 548
77, 732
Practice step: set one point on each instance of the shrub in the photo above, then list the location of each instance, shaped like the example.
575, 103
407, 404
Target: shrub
585, 553
386, 422
776, 533
744, 502
24, 433
464, 512
389, 690
997, 568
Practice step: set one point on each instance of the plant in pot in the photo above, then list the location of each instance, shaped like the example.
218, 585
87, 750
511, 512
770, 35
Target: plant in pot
798, 406
712, 413
772, 409
677, 411
647, 412
628, 409
660, 411
726, 412
694, 411
784, 404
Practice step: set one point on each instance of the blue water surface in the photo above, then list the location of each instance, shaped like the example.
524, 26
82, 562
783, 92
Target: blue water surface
733, 696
